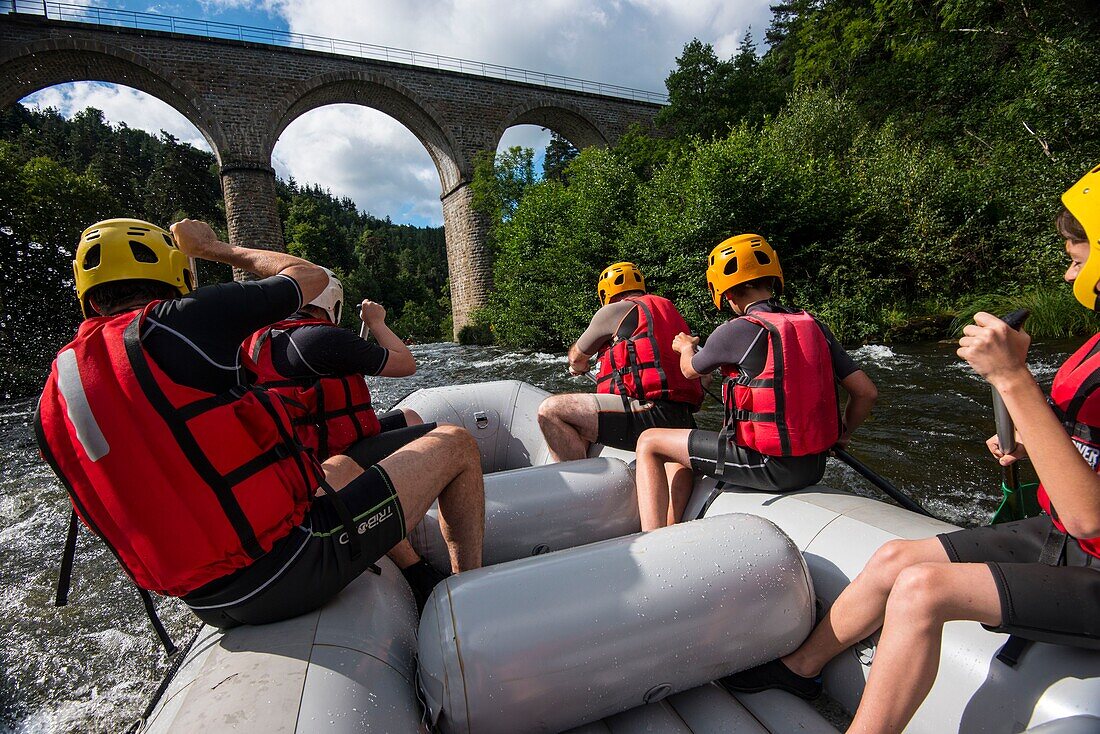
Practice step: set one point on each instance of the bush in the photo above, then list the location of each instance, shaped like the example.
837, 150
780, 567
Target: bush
1055, 313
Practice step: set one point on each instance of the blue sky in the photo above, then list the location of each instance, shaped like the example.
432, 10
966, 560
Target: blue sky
363, 154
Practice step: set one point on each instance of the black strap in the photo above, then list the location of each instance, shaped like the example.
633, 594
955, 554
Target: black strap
65, 574
746, 415
339, 413
1010, 652
290, 440
355, 541
273, 455
351, 409
203, 405
187, 443
1053, 548
139, 724
322, 426
719, 486
720, 455
147, 599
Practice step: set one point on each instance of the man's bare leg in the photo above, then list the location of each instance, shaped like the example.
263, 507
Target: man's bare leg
924, 597
420, 476
403, 555
444, 464
412, 418
570, 425
861, 607
339, 472
656, 448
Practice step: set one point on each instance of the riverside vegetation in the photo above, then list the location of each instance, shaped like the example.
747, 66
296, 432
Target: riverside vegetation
57, 176
904, 156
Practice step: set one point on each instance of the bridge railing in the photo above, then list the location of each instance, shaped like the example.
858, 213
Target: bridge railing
216, 29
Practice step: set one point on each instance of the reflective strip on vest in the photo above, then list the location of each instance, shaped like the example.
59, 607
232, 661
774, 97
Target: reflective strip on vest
84, 423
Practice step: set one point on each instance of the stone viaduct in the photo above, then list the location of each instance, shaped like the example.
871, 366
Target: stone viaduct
241, 95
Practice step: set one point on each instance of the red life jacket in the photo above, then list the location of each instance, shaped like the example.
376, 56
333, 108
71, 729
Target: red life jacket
642, 365
791, 407
331, 412
1076, 402
184, 486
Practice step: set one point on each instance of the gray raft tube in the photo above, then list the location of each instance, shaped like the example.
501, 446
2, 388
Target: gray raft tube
502, 416
541, 509
345, 668
549, 643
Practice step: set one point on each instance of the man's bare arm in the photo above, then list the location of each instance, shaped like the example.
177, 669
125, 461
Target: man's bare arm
197, 239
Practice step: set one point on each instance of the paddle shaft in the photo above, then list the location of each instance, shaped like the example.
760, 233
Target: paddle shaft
1006, 430
887, 488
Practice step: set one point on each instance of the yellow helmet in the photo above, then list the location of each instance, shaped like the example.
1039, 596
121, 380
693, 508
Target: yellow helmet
738, 260
1083, 202
619, 278
129, 249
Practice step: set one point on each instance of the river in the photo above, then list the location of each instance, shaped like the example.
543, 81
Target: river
93, 665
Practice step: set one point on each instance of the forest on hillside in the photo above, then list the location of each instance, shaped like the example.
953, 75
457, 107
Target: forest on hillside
905, 158
57, 176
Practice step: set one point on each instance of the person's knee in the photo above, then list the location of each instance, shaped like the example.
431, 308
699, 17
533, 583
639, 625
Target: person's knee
653, 442
549, 410
889, 560
460, 444
412, 418
918, 594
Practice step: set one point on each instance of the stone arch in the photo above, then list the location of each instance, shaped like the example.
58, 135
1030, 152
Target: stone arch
371, 90
567, 120
27, 68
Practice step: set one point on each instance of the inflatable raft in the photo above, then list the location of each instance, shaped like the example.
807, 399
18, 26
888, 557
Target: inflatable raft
580, 623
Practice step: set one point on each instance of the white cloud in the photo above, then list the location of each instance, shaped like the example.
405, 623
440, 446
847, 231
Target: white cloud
526, 136
627, 42
119, 104
365, 155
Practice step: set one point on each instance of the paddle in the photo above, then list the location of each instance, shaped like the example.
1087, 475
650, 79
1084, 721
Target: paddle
887, 488
1015, 504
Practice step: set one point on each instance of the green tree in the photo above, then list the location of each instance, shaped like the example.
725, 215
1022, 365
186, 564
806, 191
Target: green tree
43, 209
500, 179
559, 152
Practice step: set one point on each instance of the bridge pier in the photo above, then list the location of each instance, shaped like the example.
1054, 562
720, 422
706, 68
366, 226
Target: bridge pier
469, 260
251, 208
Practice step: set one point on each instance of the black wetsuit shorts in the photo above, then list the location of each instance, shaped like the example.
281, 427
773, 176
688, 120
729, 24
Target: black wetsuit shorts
312, 563
1056, 603
747, 468
619, 424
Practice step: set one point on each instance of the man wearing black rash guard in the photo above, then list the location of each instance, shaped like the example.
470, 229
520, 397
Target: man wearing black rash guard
193, 478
